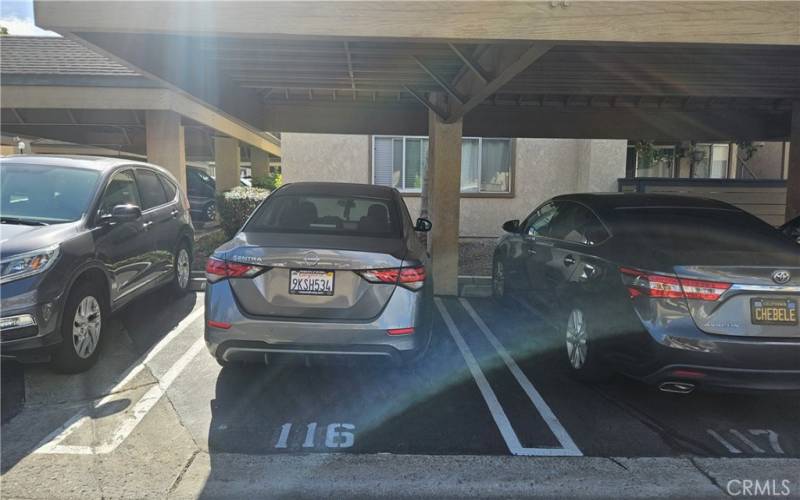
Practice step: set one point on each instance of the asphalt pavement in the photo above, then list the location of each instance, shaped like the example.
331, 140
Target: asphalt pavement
490, 411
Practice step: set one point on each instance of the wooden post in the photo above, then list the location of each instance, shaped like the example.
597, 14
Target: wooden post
443, 205
793, 171
165, 143
226, 160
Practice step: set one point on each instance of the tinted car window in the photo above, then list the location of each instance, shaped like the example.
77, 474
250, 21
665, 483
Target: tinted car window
169, 188
327, 214
537, 224
46, 193
150, 189
702, 236
576, 223
121, 190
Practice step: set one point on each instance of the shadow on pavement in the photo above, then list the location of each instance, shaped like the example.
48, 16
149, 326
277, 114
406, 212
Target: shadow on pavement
51, 398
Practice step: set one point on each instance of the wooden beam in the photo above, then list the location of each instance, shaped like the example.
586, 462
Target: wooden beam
472, 64
350, 66
427, 103
639, 21
537, 122
440, 81
509, 61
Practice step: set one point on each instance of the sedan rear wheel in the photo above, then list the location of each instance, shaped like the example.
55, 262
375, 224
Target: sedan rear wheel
581, 347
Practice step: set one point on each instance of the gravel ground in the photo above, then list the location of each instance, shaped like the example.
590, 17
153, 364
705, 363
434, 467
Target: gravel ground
475, 256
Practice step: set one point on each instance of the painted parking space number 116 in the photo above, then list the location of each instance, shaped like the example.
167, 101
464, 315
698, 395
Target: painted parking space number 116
337, 435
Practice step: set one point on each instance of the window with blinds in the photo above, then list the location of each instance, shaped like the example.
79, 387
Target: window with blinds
400, 162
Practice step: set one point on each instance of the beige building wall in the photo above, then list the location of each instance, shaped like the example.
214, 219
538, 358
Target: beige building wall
543, 168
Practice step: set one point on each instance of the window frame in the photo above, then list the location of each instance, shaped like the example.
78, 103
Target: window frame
109, 179
137, 169
467, 194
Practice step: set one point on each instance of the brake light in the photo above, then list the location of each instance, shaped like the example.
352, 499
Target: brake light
412, 278
703, 290
217, 269
641, 283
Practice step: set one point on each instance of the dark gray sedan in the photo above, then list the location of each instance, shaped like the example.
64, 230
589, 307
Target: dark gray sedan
321, 269
679, 292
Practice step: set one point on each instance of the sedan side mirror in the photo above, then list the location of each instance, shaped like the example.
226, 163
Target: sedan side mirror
123, 213
423, 225
511, 226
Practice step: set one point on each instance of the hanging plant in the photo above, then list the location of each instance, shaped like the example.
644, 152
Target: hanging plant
649, 154
747, 149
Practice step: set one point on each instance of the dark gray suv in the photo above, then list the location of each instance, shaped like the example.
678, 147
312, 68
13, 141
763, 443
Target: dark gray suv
81, 237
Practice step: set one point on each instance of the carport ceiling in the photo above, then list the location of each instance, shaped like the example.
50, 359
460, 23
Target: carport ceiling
362, 67
119, 129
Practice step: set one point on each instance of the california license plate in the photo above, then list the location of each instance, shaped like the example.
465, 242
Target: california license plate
770, 311
308, 282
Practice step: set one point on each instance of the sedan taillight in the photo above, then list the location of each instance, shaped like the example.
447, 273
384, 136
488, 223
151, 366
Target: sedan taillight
642, 283
217, 269
412, 278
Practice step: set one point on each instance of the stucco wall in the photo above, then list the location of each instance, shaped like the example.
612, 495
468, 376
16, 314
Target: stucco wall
544, 168
325, 157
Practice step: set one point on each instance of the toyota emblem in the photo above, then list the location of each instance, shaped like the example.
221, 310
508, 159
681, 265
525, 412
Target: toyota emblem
781, 276
312, 259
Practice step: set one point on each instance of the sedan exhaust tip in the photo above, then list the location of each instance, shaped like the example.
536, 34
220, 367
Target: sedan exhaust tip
676, 387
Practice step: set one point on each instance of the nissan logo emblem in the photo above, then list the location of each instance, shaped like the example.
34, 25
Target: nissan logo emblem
312, 259
781, 276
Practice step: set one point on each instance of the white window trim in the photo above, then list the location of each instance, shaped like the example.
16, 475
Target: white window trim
480, 163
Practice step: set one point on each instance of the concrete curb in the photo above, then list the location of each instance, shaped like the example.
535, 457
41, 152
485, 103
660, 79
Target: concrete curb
383, 475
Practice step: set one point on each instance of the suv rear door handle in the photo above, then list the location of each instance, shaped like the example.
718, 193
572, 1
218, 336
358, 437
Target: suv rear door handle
174, 213
146, 225
569, 260
531, 251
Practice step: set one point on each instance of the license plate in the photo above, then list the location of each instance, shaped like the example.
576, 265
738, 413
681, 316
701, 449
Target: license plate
306, 282
769, 311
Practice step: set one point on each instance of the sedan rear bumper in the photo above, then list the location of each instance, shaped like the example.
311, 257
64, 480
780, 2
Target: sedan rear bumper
724, 379
251, 337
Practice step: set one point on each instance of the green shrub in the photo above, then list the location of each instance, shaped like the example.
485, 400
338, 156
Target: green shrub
236, 205
269, 181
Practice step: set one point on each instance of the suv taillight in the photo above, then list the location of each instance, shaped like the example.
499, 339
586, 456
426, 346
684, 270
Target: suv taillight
217, 269
412, 278
642, 283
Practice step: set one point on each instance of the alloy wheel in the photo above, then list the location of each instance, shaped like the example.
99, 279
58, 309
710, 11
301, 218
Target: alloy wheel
86, 327
576, 338
211, 212
182, 268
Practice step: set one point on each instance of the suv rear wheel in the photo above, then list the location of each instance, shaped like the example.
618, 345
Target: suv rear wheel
82, 326
182, 264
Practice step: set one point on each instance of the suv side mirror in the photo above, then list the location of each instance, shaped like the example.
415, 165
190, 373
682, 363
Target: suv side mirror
423, 225
123, 213
511, 226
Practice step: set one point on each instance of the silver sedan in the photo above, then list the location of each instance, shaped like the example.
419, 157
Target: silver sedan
321, 269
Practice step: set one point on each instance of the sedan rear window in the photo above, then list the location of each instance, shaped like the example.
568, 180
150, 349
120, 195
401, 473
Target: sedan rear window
324, 214
698, 236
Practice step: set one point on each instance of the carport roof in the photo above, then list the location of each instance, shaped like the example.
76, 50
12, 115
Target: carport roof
55, 56
56, 88
638, 69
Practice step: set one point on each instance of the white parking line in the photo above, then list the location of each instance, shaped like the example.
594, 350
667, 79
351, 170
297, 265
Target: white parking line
495, 408
547, 414
52, 443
